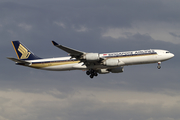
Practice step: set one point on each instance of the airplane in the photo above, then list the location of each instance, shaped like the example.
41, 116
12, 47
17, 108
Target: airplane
92, 63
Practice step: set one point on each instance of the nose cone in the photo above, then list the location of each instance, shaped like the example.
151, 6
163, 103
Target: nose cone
172, 55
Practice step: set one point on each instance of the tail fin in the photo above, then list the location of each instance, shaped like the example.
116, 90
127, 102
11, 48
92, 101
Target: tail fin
23, 53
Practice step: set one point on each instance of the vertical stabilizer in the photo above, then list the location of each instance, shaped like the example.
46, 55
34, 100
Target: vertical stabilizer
22, 52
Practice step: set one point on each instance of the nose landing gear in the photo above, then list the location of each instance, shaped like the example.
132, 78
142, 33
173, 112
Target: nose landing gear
159, 65
91, 73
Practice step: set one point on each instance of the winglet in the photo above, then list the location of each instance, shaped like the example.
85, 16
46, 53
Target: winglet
55, 43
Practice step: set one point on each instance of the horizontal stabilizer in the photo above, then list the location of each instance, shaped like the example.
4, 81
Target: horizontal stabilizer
19, 61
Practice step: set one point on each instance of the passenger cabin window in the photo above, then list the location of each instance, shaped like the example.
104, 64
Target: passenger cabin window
167, 52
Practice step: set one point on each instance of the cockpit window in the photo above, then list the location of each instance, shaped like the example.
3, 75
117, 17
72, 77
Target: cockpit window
167, 52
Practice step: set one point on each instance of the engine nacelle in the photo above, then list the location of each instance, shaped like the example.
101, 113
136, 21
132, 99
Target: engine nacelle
92, 56
117, 70
103, 71
113, 62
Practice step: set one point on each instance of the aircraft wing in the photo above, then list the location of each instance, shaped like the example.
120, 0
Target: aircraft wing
19, 61
87, 58
72, 52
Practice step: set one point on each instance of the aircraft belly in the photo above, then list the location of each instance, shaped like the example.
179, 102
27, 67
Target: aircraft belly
79, 66
59, 67
162, 57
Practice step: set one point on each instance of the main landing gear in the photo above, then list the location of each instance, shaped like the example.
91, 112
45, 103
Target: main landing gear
91, 73
159, 65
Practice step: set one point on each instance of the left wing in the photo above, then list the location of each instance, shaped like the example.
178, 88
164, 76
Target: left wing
82, 56
72, 52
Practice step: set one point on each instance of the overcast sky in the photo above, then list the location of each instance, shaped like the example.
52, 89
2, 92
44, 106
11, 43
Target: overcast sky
142, 92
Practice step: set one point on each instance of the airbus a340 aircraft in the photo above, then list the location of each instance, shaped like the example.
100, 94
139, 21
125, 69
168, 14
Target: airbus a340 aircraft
93, 63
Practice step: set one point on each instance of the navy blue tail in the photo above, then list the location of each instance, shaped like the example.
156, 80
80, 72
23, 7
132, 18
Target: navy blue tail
23, 53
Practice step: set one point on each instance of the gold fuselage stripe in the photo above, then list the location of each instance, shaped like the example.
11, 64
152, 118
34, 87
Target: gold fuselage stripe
52, 63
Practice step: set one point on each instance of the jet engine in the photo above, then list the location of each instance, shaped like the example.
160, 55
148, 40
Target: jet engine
103, 71
117, 70
113, 62
91, 57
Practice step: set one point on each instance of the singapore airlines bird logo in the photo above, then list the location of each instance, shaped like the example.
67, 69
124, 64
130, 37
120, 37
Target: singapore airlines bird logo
24, 52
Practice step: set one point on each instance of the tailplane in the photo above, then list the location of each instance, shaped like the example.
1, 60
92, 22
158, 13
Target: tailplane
22, 52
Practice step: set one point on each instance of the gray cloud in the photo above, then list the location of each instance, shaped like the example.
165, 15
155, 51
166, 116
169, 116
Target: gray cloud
175, 35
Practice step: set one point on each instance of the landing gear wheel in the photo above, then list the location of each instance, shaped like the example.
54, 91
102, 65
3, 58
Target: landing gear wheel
88, 73
91, 73
95, 74
91, 76
159, 67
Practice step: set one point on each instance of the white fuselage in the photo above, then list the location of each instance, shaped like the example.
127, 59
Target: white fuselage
125, 58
